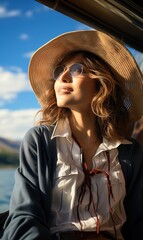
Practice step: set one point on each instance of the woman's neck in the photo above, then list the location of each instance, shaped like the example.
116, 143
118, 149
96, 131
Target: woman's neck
83, 128
84, 132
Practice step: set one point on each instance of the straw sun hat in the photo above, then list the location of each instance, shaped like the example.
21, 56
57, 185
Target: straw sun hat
110, 50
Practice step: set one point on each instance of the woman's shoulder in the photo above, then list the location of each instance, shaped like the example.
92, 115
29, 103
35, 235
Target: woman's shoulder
131, 159
133, 152
38, 130
35, 134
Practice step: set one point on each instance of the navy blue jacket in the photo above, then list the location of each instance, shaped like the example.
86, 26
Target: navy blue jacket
29, 213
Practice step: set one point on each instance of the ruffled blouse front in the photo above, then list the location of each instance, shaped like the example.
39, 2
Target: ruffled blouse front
82, 199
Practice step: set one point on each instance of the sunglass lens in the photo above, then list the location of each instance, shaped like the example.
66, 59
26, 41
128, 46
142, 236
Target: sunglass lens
76, 70
58, 71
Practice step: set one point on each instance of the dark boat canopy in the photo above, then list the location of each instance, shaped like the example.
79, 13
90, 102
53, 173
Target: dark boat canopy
120, 18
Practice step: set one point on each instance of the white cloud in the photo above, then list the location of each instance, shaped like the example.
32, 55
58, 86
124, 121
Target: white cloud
12, 81
81, 26
139, 59
28, 54
14, 124
5, 13
23, 36
29, 13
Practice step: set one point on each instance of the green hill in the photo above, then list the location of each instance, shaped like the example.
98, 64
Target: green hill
9, 152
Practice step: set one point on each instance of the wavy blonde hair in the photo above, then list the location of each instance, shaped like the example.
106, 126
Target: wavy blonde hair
112, 117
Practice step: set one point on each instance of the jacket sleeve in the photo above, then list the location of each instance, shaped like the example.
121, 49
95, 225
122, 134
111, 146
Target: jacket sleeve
133, 228
29, 213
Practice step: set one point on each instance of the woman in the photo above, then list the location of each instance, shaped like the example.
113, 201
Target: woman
80, 176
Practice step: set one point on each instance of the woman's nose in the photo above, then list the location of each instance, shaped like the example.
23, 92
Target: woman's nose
65, 76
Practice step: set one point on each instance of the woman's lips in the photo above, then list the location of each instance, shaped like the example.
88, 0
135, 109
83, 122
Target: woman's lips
64, 90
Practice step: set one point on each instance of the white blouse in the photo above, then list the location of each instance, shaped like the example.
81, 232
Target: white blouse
70, 209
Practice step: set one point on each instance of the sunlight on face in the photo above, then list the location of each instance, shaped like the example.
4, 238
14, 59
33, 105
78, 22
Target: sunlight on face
74, 92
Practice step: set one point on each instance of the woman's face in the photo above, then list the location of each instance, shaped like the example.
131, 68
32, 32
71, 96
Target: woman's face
74, 92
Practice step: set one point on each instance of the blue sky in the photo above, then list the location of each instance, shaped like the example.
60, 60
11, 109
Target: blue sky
25, 26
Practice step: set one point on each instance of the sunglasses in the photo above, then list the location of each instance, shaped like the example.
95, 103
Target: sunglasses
75, 70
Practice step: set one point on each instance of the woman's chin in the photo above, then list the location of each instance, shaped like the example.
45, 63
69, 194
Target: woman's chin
61, 104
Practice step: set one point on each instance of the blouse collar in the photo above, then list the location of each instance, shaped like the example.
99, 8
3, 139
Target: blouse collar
62, 129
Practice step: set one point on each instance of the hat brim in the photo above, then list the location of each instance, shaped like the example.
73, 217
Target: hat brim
109, 49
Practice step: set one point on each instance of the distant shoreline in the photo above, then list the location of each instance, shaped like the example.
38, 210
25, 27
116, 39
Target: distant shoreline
8, 166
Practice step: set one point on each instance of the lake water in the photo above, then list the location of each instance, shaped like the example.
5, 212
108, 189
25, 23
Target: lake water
6, 186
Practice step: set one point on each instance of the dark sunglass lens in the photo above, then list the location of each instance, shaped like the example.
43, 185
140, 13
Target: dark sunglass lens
57, 72
76, 70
